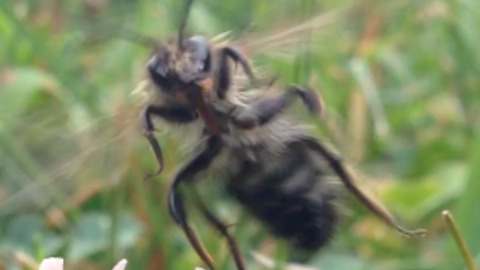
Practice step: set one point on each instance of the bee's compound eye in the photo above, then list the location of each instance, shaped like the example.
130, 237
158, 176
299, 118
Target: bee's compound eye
200, 50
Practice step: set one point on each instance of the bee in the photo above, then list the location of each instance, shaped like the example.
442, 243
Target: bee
272, 165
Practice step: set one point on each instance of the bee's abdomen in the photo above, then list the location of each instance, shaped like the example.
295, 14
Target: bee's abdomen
292, 198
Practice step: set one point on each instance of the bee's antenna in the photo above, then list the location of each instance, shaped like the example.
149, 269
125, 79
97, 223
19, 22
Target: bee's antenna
183, 22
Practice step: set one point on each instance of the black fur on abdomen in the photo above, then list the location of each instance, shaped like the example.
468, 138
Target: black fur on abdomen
289, 194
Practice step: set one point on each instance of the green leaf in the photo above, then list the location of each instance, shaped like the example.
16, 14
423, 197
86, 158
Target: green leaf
91, 234
341, 261
421, 199
27, 233
129, 231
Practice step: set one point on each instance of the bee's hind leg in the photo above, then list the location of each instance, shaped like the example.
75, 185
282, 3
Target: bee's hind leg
265, 109
223, 230
175, 203
342, 172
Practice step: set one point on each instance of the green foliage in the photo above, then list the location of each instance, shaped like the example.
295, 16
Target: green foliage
399, 80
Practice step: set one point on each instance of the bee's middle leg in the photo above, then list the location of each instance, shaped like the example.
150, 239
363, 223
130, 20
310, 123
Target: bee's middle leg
265, 109
175, 203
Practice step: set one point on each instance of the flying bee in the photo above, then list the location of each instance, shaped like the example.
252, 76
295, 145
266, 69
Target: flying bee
273, 166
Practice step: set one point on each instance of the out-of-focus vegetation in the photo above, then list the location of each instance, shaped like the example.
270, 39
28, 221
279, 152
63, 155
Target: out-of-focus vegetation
400, 80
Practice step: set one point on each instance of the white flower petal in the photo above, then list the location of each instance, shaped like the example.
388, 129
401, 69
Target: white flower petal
120, 265
51, 264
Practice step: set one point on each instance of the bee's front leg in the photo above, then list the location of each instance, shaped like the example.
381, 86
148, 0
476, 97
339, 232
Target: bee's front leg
173, 114
147, 129
176, 207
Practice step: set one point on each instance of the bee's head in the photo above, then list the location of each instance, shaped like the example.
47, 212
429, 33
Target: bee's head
176, 68
173, 66
179, 64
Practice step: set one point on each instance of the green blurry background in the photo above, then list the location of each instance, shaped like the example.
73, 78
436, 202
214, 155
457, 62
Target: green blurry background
400, 80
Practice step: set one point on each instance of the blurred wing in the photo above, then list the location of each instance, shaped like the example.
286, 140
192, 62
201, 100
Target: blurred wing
56, 164
298, 34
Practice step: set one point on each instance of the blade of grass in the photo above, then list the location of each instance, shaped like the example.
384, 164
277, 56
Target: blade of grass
468, 204
462, 245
